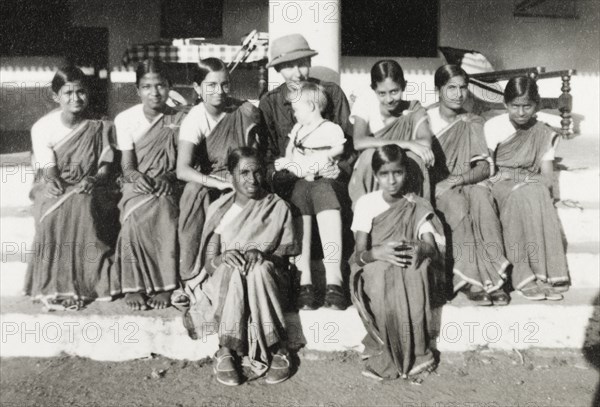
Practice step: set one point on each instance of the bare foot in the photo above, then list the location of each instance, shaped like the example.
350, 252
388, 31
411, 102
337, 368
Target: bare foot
136, 301
161, 300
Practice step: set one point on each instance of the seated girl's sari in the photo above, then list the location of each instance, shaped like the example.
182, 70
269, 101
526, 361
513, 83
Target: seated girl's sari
71, 258
246, 312
404, 128
395, 303
146, 257
530, 224
233, 131
477, 255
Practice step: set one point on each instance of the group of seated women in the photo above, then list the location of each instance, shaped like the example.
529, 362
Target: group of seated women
215, 206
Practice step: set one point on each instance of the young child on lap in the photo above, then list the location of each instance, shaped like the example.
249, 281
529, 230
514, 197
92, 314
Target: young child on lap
315, 143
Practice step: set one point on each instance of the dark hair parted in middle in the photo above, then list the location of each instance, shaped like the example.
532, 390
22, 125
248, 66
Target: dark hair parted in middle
152, 65
446, 72
234, 157
205, 66
520, 86
387, 68
390, 153
69, 73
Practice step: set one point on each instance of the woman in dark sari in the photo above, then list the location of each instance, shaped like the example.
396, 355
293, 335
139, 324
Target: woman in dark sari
72, 155
462, 162
213, 128
398, 264
238, 284
146, 258
385, 119
523, 150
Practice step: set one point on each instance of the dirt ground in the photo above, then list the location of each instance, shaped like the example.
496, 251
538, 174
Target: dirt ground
471, 379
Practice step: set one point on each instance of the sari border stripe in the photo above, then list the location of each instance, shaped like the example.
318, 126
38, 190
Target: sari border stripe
71, 134
54, 207
137, 206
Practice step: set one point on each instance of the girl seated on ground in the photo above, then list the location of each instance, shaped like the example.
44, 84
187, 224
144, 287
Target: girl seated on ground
315, 144
238, 286
384, 118
523, 149
72, 155
399, 245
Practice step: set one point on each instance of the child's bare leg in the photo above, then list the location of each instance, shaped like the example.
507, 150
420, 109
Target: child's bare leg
303, 260
330, 229
306, 296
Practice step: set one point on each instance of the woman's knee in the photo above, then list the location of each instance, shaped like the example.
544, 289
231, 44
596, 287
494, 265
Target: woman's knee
264, 269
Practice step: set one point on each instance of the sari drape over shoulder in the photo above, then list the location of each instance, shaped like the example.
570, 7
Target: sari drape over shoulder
146, 258
233, 131
246, 312
530, 224
71, 258
395, 303
477, 255
402, 129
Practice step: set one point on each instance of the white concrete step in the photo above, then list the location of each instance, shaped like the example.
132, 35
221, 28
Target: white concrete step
108, 331
583, 267
580, 185
15, 183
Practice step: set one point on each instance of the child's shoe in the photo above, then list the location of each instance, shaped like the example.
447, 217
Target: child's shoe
335, 298
306, 298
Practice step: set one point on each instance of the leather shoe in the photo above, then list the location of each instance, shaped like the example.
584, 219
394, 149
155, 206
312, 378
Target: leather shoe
500, 297
480, 298
335, 298
279, 371
225, 370
306, 298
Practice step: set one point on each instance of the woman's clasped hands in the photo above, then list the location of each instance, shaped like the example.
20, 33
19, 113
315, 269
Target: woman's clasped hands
398, 253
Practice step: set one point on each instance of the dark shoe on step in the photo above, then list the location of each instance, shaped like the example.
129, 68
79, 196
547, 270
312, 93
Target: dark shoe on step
480, 298
335, 298
306, 298
499, 297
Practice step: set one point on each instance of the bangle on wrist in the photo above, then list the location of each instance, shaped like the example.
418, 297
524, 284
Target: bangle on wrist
212, 262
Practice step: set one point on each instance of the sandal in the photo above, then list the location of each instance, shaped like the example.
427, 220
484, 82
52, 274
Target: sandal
561, 287
180, 300
225, 370
550, 292
279, 371
532, 292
